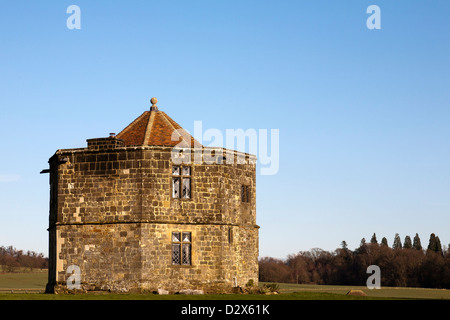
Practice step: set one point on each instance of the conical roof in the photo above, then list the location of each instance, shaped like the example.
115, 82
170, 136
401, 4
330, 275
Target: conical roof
156, 128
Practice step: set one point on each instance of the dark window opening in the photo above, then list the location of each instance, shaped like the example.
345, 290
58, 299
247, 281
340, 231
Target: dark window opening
181, 248
245, 193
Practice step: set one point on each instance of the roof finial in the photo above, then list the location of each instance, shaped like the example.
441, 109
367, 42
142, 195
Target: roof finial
154, 107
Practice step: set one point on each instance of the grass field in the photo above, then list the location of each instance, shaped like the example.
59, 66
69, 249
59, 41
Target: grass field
384, 292
22, 281
29, 286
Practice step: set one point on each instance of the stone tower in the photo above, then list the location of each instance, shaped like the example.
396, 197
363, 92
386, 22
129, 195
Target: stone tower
151, 208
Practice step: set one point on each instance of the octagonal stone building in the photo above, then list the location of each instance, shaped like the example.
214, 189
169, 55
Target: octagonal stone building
151, 208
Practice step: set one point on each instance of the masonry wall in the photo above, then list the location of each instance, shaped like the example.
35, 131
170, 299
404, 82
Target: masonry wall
112, 214
214, 263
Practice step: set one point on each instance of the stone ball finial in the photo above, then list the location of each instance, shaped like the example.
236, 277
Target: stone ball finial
154, 101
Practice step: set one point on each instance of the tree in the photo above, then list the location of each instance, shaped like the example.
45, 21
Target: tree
434, 244
363, 242
407, 244
362, 249
412, 268
416, 244
397, 242
10, 263
299, 268
343, 266
438, 246
12, 259
273, 270
432, 270
374, 239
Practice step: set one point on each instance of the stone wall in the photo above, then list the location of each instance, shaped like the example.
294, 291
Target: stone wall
112, 214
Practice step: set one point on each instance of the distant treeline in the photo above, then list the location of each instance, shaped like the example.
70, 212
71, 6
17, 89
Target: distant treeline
12, 260
402, 265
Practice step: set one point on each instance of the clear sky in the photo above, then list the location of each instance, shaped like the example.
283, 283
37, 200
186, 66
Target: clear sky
363, 115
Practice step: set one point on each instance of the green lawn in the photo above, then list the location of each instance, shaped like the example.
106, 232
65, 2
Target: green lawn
384, 292
19, 285
26, 280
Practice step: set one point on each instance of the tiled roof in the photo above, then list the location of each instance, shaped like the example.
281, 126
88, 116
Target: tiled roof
156, 128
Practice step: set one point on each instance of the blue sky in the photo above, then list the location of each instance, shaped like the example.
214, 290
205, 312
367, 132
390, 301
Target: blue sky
363, 115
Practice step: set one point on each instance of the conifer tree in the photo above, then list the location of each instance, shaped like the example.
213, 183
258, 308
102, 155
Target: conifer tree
397, 242
434, 244
384, 242
407, 244
374, 239
362, 247
363, 242
438, 246
416, 244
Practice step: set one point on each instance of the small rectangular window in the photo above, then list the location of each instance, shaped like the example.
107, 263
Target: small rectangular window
181, 248
176, 237
176, 259
186, 171
181, 182
186, 260
186, 237
187, 188
175, 187
245, 193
